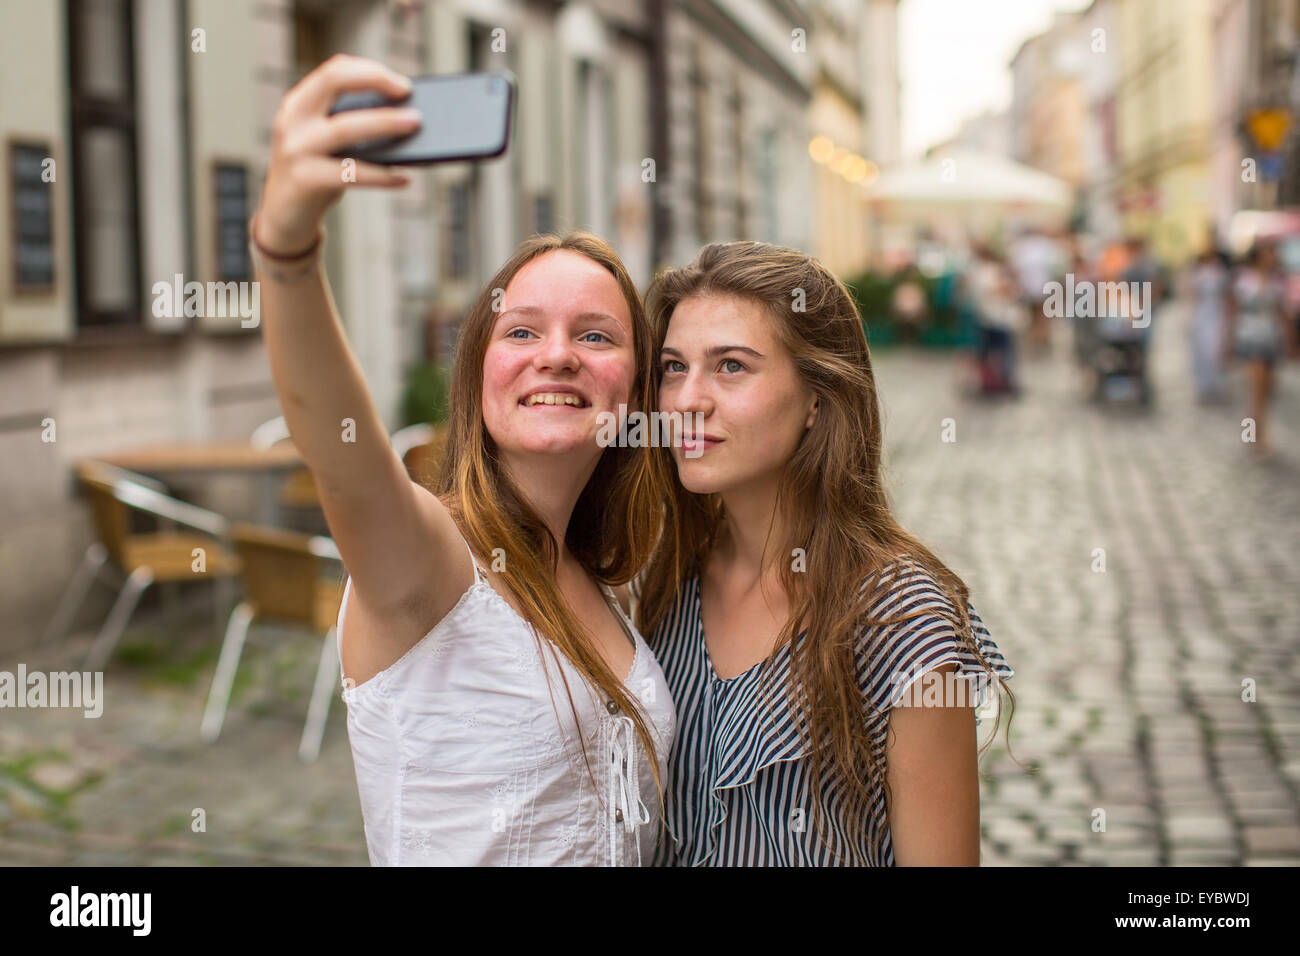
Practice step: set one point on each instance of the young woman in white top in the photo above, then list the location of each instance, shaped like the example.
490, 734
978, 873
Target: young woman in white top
502, 709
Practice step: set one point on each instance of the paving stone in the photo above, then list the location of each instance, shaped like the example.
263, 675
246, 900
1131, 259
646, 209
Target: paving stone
1196, 830
1271, 840
1204, 856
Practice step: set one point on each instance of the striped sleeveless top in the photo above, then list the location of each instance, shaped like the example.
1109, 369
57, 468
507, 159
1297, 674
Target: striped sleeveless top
738, 791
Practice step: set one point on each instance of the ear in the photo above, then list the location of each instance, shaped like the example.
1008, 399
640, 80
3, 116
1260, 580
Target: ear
812, 413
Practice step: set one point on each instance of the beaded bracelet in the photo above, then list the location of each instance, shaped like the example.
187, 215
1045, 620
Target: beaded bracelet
284, 268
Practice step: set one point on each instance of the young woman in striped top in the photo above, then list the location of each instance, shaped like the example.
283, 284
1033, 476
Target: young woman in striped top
785, 603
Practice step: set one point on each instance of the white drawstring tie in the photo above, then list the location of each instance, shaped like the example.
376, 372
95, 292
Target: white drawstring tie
624, 797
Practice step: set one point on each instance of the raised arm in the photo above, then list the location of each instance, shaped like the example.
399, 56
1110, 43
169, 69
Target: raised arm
399, 544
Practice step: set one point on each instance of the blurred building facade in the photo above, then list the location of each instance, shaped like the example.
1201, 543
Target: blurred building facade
878, 63
1063, 110
1047, 102
1097, 42
839, 138
659, 124
1255, 149
986, 132
1164, 96
730, 151
1169, 116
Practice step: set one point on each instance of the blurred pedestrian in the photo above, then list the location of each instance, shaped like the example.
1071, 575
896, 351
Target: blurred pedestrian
1036, 260
1259, 330
1208, 281
997, 304
1083, 323
1144, 269
909, 305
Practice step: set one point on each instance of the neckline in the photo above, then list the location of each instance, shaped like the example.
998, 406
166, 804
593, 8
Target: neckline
708, 658
482, 581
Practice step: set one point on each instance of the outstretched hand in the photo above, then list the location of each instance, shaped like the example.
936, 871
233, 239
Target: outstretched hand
304, 177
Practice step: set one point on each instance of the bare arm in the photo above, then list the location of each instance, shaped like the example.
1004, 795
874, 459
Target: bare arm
931, 761
396, 539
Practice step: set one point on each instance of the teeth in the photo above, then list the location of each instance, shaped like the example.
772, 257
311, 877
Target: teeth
554, 398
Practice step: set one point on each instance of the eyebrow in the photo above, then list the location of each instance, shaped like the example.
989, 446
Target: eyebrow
581, 316
713, 351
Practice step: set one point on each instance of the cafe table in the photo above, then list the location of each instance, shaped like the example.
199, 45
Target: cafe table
185, 462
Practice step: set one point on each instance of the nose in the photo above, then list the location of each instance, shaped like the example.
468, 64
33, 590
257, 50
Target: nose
556, 353
689, 395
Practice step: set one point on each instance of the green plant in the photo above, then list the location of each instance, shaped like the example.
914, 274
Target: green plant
873, 292
428, 386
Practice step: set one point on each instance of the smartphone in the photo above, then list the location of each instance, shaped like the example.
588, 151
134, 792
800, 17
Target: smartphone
464, 116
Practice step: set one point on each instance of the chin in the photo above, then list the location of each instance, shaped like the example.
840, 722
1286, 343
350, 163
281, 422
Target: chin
557, 442
699, 478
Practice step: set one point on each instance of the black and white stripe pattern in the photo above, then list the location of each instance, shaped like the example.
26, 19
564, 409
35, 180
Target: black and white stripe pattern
737, 790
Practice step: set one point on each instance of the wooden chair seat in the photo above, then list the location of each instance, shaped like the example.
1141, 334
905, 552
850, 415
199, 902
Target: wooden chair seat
170, 556
299, 490
329, 598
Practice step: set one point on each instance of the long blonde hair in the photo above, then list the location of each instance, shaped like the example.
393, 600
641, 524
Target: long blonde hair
617, 516
830, 501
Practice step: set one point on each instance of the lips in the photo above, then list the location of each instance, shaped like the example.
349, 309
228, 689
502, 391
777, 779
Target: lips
700, 442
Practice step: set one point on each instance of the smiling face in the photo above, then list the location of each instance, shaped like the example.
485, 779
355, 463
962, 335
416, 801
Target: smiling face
560, 353
722, 360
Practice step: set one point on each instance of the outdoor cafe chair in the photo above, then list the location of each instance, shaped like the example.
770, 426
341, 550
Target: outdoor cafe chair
420, 447
299, 489
140, 559
288, 581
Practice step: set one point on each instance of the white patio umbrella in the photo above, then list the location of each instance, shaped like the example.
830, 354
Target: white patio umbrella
975, 188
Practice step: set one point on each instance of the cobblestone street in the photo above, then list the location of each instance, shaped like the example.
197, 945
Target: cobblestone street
1128, 688
1129, 682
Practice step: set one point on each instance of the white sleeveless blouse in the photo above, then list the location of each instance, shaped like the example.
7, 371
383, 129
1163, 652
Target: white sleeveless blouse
465, 755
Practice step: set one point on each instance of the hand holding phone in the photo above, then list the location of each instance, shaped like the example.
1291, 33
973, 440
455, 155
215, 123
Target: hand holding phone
463, 116
304, 177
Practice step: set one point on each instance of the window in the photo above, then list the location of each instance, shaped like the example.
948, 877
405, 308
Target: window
104, 195
232, 217
543, 213
703, 197
33, 219
458, 239
738, 159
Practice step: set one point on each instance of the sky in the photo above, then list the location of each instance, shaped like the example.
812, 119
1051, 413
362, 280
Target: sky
954, 58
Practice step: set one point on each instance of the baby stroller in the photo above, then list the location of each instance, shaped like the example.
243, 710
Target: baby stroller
1116, 353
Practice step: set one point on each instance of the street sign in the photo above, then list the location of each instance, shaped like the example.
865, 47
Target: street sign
1270, 167
1268, 128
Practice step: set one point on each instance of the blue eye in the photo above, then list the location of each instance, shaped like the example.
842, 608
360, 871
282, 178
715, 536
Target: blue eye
511, 333
601, 334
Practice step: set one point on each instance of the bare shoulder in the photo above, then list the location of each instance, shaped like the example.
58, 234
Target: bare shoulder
457, 568
375, 636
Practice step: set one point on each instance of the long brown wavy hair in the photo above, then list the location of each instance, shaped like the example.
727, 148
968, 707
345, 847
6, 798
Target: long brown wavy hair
616, 518
830, 502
